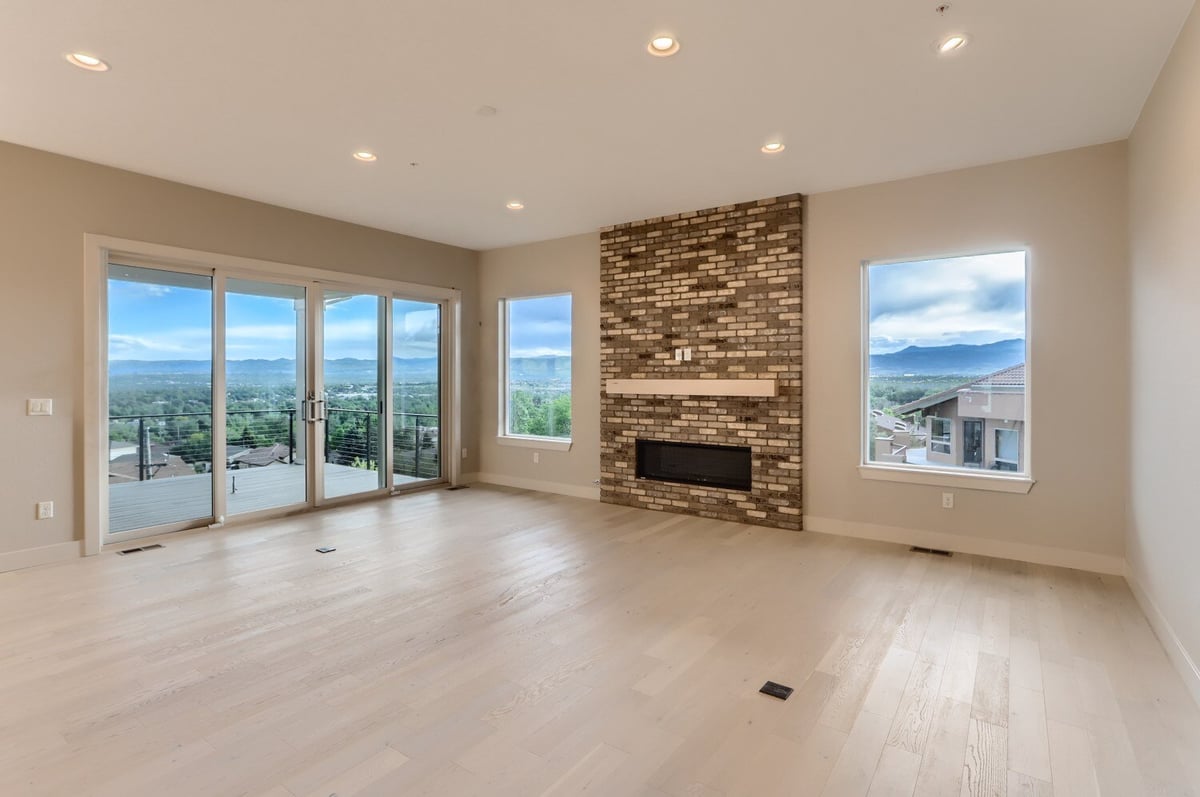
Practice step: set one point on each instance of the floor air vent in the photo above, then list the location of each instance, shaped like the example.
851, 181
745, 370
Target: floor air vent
934, 551
138, 550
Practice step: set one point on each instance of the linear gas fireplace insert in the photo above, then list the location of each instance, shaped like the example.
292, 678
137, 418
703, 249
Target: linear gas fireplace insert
693, 463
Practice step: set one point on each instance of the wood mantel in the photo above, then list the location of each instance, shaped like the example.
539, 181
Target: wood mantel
692, 387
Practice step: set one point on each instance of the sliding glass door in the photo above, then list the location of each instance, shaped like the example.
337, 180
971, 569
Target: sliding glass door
319, 394
352, 390
416, 392
265, 385
160, 399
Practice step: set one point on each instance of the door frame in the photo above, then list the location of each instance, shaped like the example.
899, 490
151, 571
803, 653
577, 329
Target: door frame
99, 249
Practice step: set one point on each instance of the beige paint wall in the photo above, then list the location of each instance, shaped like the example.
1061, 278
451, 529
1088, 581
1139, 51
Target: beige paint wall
1164, 530
558, 266
47, 204
1070, 210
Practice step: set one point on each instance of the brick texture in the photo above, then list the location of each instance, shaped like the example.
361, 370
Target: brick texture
727, 283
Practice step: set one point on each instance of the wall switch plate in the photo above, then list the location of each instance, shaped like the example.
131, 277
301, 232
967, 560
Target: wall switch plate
39, 406
464, 453
687, 354
45, 510
537, 457
947, 500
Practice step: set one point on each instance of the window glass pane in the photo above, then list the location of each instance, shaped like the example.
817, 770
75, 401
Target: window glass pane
416, 391
159, 398
538, 367
946, 384
353, 335
265, 378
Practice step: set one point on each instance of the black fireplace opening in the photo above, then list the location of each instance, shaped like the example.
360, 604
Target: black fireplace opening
693, 463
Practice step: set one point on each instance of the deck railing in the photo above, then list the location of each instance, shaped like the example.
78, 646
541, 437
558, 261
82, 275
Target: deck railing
352, 437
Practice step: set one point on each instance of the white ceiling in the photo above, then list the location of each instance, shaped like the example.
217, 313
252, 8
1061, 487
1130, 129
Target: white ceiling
268, 98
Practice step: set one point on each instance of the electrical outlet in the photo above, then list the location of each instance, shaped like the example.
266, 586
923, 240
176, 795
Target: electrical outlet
947, 500
45, 510
537, 457
464, 453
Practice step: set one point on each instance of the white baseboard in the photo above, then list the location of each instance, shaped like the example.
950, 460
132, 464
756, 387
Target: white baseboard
1171, 642
45, 555
1000, 549
540, 486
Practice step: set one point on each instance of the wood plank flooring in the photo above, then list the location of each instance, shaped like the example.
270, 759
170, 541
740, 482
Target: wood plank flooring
500, 642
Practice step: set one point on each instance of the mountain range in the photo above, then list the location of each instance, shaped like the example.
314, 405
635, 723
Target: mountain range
346, 370
959, 359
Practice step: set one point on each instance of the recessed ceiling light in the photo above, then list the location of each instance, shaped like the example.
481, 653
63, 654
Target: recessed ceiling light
662, 46
514, 205
952, 43
773, 147
364, 156
88, 62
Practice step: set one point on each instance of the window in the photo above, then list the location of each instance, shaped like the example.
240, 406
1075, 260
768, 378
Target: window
536, 379
939, 435
1008, 449
946, 387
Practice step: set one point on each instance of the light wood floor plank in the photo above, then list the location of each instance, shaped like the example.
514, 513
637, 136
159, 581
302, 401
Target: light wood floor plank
984, 770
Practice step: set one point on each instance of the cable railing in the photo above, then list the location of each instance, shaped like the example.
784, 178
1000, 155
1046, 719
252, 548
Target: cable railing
147, 446
416, 445
352, 438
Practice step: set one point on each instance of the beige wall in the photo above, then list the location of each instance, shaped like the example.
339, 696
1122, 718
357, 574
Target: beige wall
1164, 531
1070, 210
558, 266
47, 204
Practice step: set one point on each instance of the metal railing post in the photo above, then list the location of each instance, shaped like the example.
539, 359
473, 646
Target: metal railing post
143, 454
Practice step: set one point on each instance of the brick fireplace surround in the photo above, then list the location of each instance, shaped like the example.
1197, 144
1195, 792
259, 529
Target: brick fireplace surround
725, 282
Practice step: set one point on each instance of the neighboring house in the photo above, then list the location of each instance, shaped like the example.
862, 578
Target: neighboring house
241, 457
124, 464
979, 424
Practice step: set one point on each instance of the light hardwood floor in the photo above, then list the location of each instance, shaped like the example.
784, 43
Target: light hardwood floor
496, 642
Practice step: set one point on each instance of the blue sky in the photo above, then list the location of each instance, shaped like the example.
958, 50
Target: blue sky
173, 322
540, 327
969, 300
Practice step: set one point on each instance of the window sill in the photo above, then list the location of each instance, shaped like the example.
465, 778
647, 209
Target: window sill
992, 482
544, 443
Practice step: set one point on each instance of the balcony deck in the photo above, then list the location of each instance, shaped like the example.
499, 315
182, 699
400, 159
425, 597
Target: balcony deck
140, 504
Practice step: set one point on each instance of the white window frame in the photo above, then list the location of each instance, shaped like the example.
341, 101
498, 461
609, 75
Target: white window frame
993, 481
529, 441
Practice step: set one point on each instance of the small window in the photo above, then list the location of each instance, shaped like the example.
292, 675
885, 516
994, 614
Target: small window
536, 379
946, 386
939, 436
1008, 449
